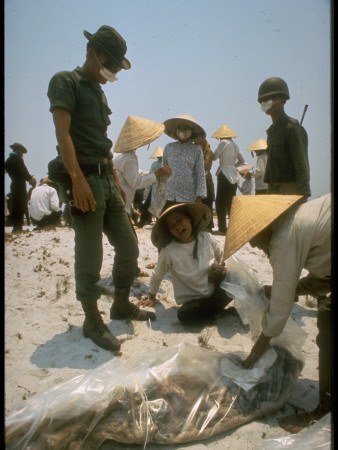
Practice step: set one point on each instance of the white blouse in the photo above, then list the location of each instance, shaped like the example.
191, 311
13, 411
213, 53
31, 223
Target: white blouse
228, 154
260, 171
189, 276
127, 170
44, 200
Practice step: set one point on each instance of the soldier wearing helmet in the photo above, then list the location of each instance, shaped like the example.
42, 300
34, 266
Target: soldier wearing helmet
287, 169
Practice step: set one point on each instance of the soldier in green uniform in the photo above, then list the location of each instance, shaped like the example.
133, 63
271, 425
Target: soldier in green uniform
19, 174
287, 169
81, 118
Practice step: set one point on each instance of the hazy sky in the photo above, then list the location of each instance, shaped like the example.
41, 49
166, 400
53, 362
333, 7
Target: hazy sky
206, 58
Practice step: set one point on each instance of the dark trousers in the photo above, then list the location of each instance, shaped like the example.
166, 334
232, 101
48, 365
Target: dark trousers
50, 219
208, 201
19, 206
203, 311
146, 216
110, 218
224, 195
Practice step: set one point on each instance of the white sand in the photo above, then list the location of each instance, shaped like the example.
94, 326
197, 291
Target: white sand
44, 344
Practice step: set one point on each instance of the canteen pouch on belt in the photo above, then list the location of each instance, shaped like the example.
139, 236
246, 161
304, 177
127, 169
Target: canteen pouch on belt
58, 172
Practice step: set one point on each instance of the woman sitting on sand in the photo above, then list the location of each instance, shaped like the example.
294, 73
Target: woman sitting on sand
186, 250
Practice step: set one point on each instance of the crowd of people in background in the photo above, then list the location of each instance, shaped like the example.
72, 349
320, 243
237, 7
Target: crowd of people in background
140, 185
107, 193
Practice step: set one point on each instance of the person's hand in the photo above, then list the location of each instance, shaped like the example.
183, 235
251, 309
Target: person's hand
32, 181
147, 301
164, 171
83, 198
260, 347
217, 272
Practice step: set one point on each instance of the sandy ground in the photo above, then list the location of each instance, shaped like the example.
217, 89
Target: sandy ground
44, 344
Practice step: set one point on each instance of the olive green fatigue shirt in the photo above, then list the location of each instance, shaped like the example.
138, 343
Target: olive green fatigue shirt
89, 110
288, 155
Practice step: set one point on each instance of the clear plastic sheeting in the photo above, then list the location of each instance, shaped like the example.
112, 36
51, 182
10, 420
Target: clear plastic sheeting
316, 437
250, 302
160, 197
174, 395
247, 378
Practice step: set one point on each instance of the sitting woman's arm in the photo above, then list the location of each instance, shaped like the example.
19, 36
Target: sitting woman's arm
155, 281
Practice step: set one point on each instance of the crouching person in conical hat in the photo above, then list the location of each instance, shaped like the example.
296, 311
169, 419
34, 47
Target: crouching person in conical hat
81, 118
185, 250
295, 236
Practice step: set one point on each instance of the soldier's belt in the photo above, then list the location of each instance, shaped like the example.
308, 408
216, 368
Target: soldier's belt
96, 169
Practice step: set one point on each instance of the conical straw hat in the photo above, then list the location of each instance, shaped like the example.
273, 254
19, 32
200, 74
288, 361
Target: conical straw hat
224, 132
261, 144
200, 215
157, 153
137, 132
250, 214
170, 126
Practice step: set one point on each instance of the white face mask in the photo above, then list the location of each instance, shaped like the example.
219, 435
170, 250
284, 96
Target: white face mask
108, 75
265, 106
182, 135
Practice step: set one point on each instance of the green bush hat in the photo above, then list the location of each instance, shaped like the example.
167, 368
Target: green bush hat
17, 146
111, 43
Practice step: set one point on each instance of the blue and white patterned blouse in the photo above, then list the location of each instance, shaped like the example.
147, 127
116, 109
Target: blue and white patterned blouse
188, 178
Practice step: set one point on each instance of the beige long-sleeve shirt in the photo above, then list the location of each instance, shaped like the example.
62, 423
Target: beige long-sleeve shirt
301, 239
189, 276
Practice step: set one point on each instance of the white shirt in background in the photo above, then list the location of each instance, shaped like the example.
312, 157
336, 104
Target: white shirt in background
259, 172
228, 154
127, 170
43, 201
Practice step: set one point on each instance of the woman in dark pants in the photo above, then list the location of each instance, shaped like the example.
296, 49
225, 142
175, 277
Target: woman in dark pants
227, 176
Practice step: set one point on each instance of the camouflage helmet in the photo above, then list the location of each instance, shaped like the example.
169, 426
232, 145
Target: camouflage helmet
273, 86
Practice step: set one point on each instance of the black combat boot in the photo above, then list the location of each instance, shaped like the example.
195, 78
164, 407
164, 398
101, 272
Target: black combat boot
122, 308
95, 329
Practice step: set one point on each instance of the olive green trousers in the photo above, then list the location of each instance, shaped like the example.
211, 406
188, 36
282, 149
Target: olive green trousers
110, 218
